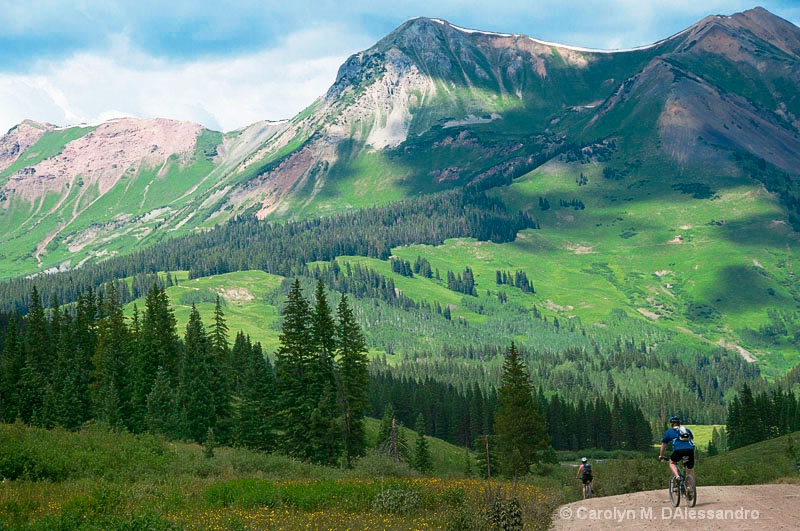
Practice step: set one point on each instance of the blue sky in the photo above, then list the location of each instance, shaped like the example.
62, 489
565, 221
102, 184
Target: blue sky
229, 64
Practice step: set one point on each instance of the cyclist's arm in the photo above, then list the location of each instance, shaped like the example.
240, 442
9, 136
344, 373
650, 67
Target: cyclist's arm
580, 469
663, 448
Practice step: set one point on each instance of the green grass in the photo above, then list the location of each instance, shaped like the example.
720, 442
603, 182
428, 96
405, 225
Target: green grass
98, 479
710, 266
702, 434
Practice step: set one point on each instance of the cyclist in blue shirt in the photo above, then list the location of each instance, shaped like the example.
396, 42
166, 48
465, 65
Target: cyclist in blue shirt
682, 442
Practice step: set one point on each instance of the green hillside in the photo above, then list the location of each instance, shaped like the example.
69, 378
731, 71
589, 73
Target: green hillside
98, 479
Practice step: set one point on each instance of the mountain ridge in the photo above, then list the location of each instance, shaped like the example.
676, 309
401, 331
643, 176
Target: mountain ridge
702, 125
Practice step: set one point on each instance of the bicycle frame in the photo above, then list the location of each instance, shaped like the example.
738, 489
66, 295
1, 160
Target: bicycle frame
683, 484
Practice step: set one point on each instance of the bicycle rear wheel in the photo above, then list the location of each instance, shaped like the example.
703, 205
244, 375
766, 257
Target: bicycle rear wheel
675, 491
588, 490
691, 491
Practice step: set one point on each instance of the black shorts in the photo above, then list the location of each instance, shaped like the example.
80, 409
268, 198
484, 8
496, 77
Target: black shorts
586, 479
677, 455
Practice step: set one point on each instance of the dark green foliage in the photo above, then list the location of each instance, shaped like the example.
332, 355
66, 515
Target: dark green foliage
401, 267
161, 416
521, 430
295, 362
220, 373
696, 190
247, 243
112, 362
519, 280
33, 383
462, 284
195, 395
421, 460
157, 346
754, 418
351, 353
254, 386
325, 424
12, 361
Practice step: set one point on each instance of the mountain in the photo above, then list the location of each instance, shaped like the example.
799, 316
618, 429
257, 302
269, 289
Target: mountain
664, 178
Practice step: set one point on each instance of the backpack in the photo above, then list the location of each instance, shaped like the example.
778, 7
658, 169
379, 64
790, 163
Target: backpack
684, 435
587, 470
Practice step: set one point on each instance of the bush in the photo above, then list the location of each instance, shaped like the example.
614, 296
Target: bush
397, 499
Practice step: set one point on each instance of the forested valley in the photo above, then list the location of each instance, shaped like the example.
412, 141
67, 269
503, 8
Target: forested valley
620, 379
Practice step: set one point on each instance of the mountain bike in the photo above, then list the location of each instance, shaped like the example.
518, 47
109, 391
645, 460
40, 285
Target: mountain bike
586, 489
682, 485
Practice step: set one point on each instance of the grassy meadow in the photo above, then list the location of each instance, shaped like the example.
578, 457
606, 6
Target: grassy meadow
97, 479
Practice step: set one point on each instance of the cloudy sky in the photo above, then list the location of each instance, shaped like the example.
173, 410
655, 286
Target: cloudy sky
227, 64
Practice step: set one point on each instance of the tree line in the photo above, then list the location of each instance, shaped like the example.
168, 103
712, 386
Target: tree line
756, 417
65, 366
462, 416
246, 243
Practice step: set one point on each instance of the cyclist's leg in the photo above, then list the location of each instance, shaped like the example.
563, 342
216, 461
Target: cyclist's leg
690, 466
673, 464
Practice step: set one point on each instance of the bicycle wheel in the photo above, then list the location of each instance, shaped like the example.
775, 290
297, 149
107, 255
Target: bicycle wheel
691, 491
675, 491
588, 490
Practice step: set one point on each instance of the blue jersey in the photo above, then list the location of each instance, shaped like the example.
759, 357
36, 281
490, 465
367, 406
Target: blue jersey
673, 436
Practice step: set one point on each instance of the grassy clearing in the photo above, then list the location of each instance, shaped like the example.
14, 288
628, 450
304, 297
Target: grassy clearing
96, 479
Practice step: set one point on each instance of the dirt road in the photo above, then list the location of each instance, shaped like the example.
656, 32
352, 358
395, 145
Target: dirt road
723, 508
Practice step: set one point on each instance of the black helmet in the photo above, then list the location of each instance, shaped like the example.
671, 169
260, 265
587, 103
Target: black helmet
675, 419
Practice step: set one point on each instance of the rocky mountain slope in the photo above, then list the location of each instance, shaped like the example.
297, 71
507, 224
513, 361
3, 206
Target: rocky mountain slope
429, 107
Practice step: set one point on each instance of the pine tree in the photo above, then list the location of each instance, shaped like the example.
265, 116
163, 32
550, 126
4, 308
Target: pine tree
195, 397
353, 380
221, 374
422, 454
520, 429
34, 382
70, 379
111, 363
158, 345
253, 416
324, 431
12, 361
161, 417
295, 362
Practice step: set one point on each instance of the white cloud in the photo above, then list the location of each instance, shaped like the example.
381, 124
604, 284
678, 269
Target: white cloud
111, 75
219, 93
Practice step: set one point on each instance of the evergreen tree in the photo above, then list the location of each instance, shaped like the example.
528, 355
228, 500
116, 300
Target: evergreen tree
295, 364
70, 379
520, 429
161, 417
195, 397
324, 431
34, 381
422, 454
12, 361
353, 381
253, 416
158, 345
221, 374
111, 363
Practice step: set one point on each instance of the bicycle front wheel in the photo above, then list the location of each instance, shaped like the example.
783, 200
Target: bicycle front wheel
691, 491
675, 492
